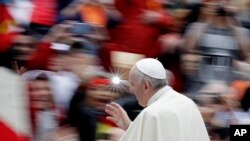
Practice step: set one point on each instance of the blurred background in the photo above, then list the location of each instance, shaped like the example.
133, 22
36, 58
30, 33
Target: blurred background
62, 61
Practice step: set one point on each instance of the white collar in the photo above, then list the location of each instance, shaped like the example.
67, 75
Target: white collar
158, 94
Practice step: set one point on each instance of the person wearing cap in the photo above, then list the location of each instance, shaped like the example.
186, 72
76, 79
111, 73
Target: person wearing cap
168, 115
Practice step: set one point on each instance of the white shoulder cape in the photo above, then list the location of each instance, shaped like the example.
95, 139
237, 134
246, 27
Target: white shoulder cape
170, 116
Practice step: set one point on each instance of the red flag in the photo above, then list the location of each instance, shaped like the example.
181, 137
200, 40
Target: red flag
7, 134
14, 116
5, 22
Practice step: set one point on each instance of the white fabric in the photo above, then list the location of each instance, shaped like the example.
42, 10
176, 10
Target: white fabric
152, 68
60, 47
46, 122
170, 116
21, 11
14, 102
64, 85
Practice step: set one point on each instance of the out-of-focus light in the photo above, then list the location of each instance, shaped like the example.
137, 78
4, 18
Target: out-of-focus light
116, 80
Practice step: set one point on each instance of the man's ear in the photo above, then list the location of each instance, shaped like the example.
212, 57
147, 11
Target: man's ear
146, 85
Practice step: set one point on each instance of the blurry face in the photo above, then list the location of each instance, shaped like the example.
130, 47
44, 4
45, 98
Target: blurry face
41, 95
190, 63
137, 88
57, 62
23, 47
98, 96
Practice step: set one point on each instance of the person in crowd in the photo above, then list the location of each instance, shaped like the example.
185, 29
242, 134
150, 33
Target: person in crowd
219, 40
86, 110
142, 23
42, 107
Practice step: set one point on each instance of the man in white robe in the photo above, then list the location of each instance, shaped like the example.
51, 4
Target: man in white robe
168, 116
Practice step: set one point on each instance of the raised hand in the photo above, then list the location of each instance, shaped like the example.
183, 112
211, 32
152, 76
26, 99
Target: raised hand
20, 70
118, 115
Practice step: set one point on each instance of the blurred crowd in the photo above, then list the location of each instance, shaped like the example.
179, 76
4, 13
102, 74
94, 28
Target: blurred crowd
62, 61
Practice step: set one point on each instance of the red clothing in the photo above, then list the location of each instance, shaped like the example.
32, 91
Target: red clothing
5, 19
44, 12
5, 22
40, 59
5, 41
132, 35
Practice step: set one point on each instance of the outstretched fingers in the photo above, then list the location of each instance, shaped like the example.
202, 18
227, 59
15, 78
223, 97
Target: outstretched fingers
117, 115
109, 110
113, 110
117, 106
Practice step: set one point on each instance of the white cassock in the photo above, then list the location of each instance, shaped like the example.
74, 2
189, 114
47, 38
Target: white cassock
169, 116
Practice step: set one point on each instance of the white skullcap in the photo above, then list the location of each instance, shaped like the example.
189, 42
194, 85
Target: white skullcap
152, 68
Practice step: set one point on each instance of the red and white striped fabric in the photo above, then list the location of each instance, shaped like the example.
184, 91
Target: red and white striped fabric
14, 117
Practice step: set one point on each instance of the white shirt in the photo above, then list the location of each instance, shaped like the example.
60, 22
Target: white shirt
170, 116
